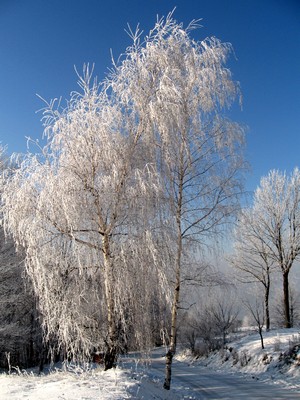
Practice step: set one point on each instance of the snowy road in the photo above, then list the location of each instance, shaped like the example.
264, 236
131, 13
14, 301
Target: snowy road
206, 384
197, 382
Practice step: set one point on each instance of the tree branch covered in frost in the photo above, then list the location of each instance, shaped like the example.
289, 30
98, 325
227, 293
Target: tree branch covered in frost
20, 333
81, 212
176, 90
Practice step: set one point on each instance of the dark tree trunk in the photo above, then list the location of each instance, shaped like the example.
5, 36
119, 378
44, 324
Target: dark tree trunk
224, 337
286, 300
111, 353
110, 358
261, 337
173, 335
169, 357
42, 359
267, 294
172, 347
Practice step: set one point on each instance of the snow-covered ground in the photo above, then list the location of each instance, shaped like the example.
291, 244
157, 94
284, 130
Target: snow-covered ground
136, 379
276, 363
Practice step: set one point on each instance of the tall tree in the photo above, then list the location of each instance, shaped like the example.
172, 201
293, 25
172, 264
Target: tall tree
80, 209
276, 212
177, 89
251, 256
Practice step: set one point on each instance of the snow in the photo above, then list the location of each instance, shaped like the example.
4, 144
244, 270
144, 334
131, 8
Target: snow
192, 378
66, 385
245, 356
72, 384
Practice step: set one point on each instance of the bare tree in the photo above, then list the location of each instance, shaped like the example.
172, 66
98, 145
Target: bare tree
257, 312
224, 314
177, 89
251, 256
198, 331
276, 213
207, 325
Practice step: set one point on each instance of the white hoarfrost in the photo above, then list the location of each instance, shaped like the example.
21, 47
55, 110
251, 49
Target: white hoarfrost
179, 89
82, 211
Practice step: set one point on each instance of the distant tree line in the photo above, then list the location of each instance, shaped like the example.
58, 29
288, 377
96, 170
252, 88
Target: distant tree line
267, 239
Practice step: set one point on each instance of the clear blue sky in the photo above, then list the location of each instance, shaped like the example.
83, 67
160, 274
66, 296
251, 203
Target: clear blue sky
42, 40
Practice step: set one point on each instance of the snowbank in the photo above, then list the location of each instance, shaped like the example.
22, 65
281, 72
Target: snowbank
278, 362
95, 384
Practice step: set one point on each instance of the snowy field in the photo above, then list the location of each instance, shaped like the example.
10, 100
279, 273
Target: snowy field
193, 379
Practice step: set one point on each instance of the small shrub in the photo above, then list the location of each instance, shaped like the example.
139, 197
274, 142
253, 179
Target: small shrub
294, 341
244, 358
290, 356
202, 349
225, 354
267, 359
277, 344
235, 356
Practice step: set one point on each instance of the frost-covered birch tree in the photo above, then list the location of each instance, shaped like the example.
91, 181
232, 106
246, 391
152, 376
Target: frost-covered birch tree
177, 88
80, 209
276, 212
